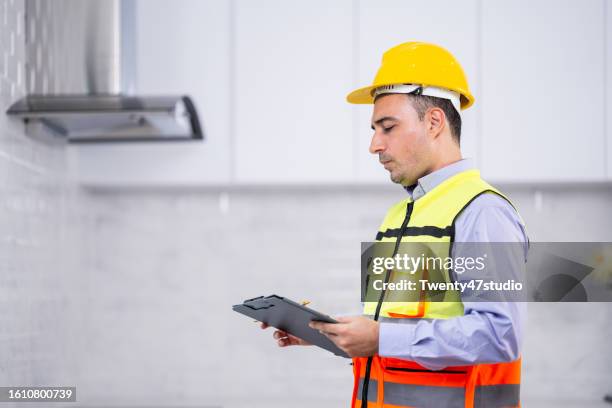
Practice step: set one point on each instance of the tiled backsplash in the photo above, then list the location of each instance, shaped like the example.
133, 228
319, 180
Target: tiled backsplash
36, 227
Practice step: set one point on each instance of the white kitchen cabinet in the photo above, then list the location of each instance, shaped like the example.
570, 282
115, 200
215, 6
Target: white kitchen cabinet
543, 94
293, 64
384, 24
270, 79
181, 48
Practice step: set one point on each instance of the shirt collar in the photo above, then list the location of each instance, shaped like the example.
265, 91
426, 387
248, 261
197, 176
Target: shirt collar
429, 181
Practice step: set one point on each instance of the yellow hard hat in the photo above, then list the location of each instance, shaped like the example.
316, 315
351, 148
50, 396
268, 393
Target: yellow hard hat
422, 64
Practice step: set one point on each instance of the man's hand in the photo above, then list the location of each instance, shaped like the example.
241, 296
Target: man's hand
357, 336
284, 339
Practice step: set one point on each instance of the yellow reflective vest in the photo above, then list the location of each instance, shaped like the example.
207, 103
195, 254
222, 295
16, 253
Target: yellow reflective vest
428, 224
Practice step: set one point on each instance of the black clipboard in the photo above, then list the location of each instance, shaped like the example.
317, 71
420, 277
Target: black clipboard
289, 316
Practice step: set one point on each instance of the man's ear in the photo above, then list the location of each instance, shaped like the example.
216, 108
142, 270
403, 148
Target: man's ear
437, 121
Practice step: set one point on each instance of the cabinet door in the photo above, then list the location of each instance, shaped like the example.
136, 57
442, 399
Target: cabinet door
543, 93
180, 49
384, 24
292, 71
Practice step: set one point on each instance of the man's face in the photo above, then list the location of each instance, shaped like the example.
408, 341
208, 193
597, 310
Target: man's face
400, 139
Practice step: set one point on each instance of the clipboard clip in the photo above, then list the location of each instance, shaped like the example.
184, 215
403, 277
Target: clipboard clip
258, 303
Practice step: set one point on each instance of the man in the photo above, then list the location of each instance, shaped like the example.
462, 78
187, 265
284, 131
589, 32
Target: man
432, 354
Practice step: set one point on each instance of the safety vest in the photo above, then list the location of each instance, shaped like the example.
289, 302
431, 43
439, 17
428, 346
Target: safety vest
395, 383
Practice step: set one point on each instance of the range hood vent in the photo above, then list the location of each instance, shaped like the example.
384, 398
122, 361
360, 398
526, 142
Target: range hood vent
93, 118
81, 80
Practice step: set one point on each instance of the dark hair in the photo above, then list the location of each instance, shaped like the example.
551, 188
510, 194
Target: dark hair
421, 103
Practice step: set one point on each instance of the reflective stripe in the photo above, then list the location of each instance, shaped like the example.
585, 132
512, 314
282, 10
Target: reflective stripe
424, 396
372, 390
500, 395
395, 320
430, 230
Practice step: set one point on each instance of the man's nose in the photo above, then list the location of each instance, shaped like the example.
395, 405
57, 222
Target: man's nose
376, 144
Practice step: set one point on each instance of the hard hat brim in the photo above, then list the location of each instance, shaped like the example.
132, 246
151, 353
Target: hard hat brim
363, 96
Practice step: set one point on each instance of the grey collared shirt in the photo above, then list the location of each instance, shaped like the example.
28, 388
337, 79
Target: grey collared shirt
488, 332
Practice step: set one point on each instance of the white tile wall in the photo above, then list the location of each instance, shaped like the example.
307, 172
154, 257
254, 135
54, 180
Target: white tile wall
161, 271
36, 233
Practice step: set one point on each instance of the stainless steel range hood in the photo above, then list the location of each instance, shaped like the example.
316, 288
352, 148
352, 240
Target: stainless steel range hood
95, 118
80, 74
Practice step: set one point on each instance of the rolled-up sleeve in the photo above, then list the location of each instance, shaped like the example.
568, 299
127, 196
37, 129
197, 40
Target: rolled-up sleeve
489, 331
